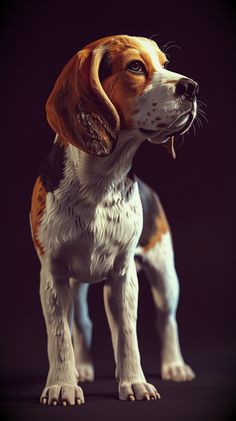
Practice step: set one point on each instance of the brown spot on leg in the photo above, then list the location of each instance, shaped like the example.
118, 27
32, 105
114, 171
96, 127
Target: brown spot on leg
155, 223
37, 208
161, 227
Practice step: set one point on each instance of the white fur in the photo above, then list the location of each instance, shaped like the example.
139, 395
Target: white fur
89, 232
89, 224
170, 113
158, 263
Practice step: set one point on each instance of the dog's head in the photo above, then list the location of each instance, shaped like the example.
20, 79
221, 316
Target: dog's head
120, 83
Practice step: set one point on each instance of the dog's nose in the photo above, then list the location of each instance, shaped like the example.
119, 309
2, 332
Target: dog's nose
186, 87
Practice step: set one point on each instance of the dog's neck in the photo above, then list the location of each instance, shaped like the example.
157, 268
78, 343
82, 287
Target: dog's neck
105, 172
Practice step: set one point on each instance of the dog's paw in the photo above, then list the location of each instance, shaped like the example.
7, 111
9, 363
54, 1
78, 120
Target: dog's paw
137, 391
63, 394
177, 372
85, 372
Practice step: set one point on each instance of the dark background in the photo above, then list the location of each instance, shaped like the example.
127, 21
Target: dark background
197, 191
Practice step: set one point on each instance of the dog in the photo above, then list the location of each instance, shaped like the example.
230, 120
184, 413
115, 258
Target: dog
93, 220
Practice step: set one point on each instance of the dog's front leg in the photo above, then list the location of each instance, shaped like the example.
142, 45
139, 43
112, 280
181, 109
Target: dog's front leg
121, 298
61, 386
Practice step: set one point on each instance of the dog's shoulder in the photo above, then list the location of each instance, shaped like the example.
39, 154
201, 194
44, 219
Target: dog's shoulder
48, 181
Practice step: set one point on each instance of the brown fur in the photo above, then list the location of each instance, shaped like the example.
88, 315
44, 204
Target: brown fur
123, 87
37, 207
78, 91
162, 227
78, 108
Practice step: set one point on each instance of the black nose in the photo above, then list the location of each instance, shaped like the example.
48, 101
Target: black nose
186, 87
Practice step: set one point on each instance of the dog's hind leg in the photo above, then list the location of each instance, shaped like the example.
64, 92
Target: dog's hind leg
158, 263
82, 331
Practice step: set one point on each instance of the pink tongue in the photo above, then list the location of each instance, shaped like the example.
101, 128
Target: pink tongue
169, 145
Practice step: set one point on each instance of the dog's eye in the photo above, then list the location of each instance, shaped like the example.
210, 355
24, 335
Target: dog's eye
165, 64
136, 66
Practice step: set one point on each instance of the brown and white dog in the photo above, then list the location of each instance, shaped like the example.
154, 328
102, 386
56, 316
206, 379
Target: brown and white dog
91, 217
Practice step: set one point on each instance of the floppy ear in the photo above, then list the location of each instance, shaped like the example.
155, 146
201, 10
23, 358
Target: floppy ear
78, 108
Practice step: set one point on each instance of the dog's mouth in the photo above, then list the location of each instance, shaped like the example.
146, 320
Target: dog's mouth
177, 127
182, 124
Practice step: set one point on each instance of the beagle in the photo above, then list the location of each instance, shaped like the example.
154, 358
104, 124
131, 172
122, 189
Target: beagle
92, 220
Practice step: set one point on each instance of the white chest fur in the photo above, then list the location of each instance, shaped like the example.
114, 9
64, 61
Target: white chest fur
92, 235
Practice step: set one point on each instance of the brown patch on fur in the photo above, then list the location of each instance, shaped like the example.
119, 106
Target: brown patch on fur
37, 208
162, 227
171, 81
78, 108
122, 86
88, 113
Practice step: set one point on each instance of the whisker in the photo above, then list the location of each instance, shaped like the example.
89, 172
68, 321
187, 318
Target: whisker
166, 45
200, 110
172, 46
201, 103
203, 116
199, 122
154, 35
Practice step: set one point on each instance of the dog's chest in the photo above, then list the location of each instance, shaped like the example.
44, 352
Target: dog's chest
94, 240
